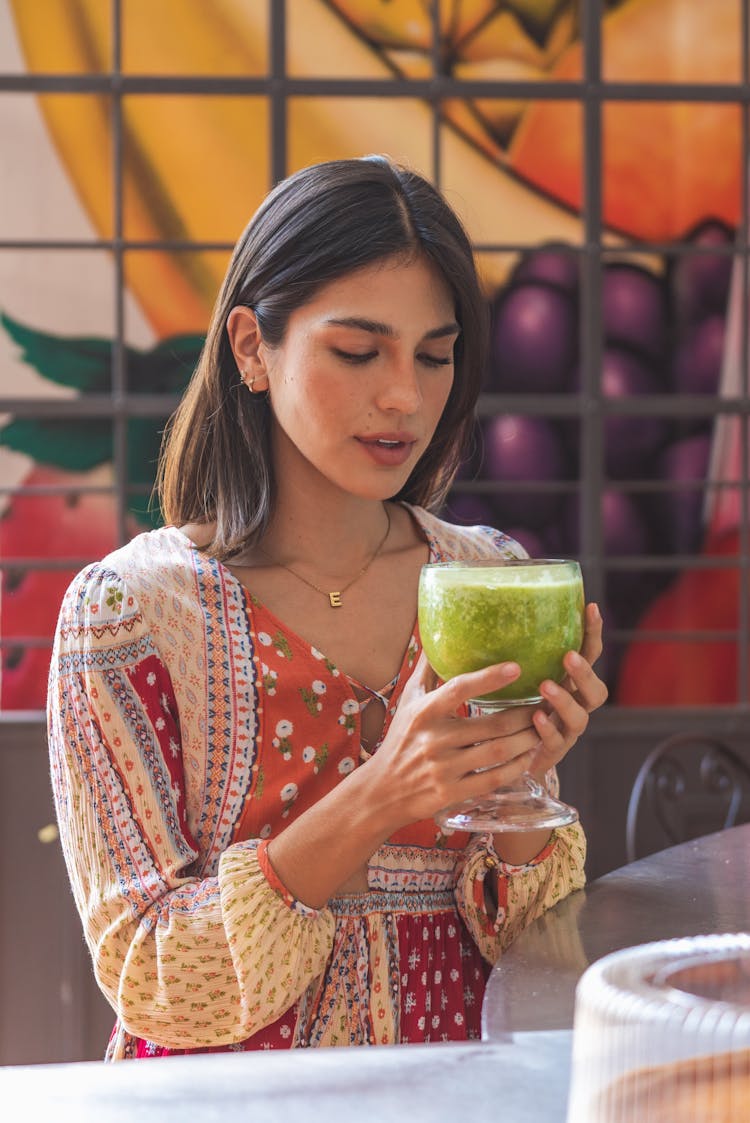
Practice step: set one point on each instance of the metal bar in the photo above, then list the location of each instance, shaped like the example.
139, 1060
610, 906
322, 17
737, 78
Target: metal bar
119, 370
633, 249
676, 562
743, 660
25, 643
615, 563
557, 405
55, 489
648, 635
635, 722
42, 565
279, 90
590, 92
437, 87
111, 244
67, 490
621, 634
590, 313
651, 486
627, 487
437, 69
157, 406
644, 405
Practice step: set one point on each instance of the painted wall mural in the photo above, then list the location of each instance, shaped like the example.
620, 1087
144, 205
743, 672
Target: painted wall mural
79, 321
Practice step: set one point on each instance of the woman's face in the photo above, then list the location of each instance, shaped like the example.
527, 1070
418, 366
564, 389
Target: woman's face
359, 383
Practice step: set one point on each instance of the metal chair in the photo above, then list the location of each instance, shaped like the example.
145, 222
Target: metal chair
687, 786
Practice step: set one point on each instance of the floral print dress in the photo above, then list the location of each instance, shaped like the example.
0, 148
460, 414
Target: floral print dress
188, 726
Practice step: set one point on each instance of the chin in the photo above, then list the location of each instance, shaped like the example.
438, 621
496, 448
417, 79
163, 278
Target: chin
375, 486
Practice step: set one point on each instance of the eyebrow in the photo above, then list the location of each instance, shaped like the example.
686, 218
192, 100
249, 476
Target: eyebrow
376, 328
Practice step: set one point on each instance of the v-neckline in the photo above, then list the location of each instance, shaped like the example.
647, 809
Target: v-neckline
414, 638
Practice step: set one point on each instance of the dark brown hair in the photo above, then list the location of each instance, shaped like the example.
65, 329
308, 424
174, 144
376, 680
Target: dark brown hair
314, 227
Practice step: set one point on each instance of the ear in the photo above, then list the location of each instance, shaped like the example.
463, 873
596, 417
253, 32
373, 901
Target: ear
249, 350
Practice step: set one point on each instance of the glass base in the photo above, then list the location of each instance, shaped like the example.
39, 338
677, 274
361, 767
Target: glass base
492, 705
526, 807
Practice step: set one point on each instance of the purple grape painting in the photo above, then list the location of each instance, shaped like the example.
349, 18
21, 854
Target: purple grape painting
520, 449
634, 309
663, 333
630, 443
534, 330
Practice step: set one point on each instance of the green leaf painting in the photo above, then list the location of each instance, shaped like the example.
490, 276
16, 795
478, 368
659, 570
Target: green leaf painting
84, 363
76, 445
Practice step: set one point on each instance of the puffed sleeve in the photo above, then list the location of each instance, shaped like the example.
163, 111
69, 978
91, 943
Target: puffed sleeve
185, 961
497, 900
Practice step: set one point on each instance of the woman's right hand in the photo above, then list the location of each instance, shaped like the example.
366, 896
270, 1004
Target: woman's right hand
433, 756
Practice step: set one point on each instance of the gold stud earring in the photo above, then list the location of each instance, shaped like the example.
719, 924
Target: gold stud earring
251, 383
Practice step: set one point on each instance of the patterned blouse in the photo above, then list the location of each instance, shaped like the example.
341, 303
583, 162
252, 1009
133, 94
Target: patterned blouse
187, 726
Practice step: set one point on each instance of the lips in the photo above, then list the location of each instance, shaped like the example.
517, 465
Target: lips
388, 449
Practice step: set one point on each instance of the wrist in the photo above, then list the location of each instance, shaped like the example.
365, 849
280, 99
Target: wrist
376, 806
520, 848
308, 857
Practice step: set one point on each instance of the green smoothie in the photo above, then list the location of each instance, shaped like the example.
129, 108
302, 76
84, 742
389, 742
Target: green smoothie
472, 615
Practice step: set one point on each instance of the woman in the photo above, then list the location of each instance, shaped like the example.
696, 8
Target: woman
248, 746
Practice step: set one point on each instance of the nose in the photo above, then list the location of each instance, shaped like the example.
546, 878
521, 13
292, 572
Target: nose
399, 389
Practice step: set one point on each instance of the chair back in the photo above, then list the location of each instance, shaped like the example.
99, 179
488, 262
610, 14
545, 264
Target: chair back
687, 786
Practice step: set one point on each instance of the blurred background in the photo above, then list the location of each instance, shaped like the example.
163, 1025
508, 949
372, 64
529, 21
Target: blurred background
597, 152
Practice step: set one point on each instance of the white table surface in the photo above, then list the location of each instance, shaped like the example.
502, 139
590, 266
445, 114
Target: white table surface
523, 1079
697, 888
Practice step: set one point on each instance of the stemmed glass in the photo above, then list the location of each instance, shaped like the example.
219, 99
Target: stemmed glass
473, 614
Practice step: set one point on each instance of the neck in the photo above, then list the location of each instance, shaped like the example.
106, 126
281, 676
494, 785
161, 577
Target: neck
334, 538
315, 523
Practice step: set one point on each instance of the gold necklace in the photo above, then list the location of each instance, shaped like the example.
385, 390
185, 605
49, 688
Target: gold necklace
335, 595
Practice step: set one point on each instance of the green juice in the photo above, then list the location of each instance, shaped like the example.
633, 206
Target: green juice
530, 613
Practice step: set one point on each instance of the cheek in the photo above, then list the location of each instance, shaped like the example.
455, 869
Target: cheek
438, 400
439, 396
309, 395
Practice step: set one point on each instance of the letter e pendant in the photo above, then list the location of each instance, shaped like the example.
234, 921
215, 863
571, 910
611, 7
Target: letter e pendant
335, 599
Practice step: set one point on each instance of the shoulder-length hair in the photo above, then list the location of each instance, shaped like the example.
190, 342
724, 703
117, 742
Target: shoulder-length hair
314, 227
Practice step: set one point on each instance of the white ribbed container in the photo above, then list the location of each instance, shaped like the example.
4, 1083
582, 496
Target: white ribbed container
662, 1033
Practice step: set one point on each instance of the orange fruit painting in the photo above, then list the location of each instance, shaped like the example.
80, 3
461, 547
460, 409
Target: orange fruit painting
665, 164
194, 167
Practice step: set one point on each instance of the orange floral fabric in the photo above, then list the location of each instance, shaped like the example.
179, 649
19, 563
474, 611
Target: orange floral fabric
187, 726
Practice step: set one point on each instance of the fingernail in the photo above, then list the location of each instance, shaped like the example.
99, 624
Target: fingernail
595, 611
550, 688
575, 659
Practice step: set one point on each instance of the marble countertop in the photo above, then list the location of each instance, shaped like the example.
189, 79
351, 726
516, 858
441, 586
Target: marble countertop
696, 888
519, 1073
522, 1079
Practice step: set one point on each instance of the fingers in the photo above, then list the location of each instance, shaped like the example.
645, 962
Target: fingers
577, 664
463, 688
592, 645
480, 783
498, 752
568, 715
554, 742
423, 680
492, 725
569, 712
590, 690
448, 756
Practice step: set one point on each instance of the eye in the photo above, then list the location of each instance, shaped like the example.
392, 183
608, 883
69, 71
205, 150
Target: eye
435, 361
354, 357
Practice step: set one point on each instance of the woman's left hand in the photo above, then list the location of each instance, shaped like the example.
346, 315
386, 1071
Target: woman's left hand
562, 721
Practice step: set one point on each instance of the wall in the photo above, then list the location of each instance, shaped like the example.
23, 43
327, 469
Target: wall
610, 418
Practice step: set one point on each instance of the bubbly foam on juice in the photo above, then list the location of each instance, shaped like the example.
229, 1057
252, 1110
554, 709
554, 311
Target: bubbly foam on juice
520, 576
471, 617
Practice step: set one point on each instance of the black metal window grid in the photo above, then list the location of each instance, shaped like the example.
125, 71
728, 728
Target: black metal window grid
591, 93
